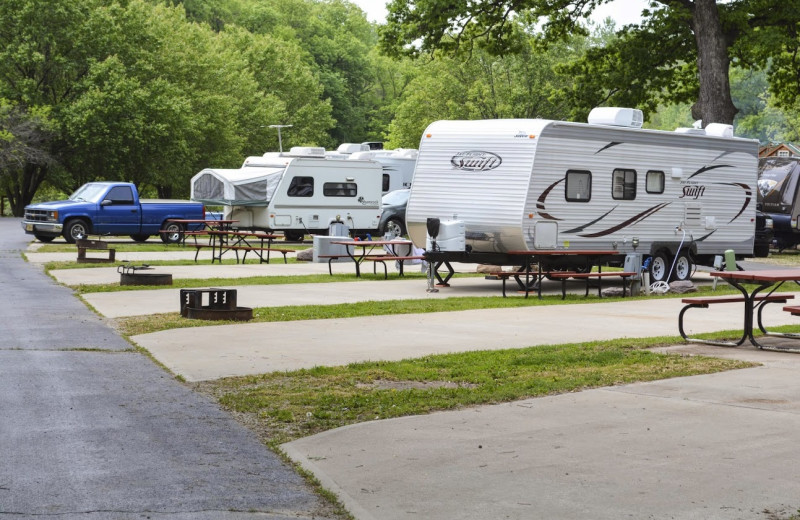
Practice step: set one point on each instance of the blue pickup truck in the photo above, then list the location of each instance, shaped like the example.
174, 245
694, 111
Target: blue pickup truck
109, 208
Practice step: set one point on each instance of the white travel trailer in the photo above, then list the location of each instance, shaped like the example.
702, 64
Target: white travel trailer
398, 164
680, 198
297, 192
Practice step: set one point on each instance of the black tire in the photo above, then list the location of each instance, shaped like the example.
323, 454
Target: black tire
683, 267
659, 267
395, 226
44, 238
293, 236
77, 229
761, 250
140, 238
173, 232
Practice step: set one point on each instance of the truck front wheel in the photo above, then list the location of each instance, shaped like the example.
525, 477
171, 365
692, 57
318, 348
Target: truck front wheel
44, 238
172, 233
76, 229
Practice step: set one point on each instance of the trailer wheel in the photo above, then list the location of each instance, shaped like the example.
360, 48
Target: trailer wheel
683, 267
140, 238
76, 229
44, 238
659, 267
172, 234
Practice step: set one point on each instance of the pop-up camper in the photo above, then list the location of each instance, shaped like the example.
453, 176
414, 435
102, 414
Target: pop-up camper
533, 184
297, 192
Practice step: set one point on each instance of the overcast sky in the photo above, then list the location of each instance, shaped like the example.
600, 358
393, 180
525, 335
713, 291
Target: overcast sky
622, 11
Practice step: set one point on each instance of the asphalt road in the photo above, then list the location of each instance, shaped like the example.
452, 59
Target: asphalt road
90, 428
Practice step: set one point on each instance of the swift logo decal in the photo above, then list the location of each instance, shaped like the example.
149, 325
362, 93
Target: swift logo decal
695, 191
475, 161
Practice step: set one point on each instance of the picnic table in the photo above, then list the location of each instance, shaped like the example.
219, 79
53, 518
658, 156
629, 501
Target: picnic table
367, 253
533, 279
758, 289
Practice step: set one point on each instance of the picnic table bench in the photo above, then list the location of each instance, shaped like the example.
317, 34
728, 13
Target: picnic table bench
94, 245
705, 301
563, 276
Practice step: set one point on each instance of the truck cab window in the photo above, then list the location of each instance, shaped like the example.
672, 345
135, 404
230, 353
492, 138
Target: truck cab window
654, 182
623, 184
578, 186
120, 196
301, 187
340, 189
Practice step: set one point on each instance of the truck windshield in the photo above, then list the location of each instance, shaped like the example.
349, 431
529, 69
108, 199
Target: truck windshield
89, 193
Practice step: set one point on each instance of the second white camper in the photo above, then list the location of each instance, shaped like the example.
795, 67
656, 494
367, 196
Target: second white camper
679, 198
297, 192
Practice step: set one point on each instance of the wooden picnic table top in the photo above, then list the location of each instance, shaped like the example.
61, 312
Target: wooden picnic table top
759, 275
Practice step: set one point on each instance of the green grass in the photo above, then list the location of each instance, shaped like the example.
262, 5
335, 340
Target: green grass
289, 405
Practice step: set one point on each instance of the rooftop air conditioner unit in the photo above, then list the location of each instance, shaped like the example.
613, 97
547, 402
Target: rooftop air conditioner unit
719, 130
307, 151
616, 116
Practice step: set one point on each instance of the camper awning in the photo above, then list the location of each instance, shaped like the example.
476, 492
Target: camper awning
251, 186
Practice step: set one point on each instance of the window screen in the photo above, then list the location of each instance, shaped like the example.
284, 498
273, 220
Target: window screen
623, 184
340, 189
579, 186
654, 182
385, 182
301, 187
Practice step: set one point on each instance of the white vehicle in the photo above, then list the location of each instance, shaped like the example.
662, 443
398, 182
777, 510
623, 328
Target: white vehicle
297, 192
680, 198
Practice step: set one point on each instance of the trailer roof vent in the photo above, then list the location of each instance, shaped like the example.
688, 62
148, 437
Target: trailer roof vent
307, 151
616, 116
719, 130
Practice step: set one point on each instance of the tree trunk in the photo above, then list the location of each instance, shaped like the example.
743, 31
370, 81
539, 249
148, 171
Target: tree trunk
21, 186
714, 103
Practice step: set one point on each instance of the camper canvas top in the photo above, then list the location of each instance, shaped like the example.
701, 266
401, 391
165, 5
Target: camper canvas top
527, 184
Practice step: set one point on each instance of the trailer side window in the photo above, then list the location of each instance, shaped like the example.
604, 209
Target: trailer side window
623, 184
340, 189
385, 182
301, 187
579, 186
655, 182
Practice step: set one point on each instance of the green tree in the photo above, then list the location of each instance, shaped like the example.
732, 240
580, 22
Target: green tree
481, 85
45, 49
25, 137
681, 51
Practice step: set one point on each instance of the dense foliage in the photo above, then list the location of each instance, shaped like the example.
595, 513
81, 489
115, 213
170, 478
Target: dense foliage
152, 91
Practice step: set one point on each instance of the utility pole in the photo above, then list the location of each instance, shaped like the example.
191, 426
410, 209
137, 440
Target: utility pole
280, 142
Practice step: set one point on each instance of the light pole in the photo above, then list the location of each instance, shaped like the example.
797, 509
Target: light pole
280, 142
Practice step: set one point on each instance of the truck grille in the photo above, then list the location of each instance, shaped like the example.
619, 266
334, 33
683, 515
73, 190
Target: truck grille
37, 215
